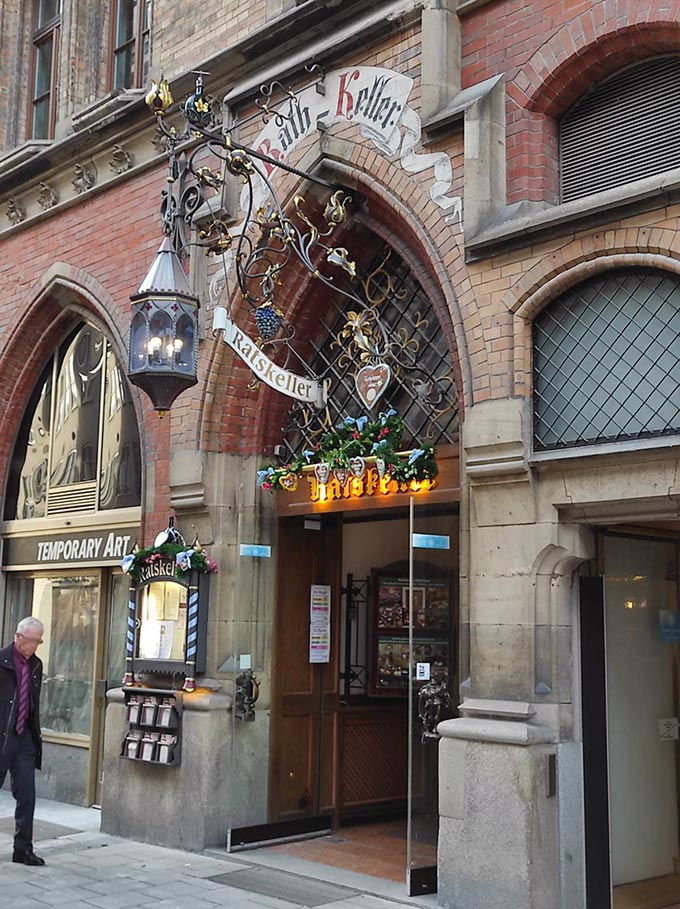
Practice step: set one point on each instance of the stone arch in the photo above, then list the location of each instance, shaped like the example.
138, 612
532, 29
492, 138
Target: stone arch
63, 296
418, 226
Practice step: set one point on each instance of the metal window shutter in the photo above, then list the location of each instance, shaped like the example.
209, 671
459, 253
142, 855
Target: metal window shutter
626, 128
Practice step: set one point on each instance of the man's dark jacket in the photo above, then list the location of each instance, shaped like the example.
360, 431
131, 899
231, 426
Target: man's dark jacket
9, 702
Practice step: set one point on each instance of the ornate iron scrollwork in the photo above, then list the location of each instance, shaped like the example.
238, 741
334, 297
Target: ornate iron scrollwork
246, 693
433, 698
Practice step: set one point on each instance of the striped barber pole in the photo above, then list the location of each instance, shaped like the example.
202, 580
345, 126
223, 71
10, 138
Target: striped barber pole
130, 639
192, 636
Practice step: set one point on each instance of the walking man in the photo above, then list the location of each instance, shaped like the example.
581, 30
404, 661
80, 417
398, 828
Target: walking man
20, 742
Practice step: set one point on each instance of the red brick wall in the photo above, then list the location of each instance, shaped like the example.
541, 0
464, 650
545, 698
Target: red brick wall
551, 51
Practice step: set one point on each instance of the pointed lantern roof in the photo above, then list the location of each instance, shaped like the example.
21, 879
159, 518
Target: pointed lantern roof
166, 275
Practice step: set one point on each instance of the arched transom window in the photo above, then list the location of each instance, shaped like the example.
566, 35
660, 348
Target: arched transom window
607, 361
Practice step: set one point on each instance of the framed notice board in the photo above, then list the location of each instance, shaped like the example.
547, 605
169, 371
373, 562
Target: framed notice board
432, 632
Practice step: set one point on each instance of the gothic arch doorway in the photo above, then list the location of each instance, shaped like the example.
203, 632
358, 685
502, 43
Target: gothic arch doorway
347, 742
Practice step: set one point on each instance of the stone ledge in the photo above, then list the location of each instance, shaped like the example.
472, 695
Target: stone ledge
505, 732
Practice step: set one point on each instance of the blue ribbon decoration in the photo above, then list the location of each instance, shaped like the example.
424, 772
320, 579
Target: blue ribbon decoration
263, 474
308, 454
359, 423
415, 454
183, 559
384, 416
127, 562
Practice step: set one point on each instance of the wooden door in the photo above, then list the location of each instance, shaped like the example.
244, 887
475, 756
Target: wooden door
304, 696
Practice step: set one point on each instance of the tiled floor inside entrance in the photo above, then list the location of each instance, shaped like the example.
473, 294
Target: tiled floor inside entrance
656, 893
376, 849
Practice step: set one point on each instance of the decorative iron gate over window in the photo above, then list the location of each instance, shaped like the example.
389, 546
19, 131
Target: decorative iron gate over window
607, 361
423, 388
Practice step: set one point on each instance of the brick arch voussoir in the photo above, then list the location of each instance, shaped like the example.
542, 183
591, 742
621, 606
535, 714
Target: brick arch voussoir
564, 68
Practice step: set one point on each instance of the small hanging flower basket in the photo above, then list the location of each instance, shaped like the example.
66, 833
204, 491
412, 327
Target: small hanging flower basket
348, 449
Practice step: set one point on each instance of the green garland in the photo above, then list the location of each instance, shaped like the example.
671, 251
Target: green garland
362, 438
199, 561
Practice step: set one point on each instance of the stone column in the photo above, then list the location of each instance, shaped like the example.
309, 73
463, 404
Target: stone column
510, 768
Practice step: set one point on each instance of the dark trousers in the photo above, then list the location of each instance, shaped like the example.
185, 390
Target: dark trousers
20, 761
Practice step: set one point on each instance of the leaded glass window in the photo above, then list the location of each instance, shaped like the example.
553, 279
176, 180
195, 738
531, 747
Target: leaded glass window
78, 445
607, 361
422, 389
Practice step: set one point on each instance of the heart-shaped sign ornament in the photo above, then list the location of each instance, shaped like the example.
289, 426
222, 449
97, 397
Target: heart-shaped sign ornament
358, 467
289, 481
371, 381
341, 475
322, 472
380, 464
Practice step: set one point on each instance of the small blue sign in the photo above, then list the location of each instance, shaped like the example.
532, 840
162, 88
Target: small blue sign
431, 541
255, 551
669, 626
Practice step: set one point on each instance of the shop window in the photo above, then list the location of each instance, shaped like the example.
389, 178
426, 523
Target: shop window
131, 28
607, 361
78, 445
68, 608
622, 130
44, 68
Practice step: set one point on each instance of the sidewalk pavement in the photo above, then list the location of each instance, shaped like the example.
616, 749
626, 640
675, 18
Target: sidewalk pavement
87, 869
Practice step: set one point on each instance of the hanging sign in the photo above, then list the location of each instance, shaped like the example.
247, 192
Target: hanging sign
288, 383
371, 382
376, 100
320, 623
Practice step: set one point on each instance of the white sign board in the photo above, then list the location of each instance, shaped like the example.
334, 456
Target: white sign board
320, 623
288, 383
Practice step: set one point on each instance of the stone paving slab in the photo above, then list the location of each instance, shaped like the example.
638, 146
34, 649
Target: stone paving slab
91, 870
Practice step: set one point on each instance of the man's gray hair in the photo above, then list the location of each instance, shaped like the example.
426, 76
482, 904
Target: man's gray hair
29, 622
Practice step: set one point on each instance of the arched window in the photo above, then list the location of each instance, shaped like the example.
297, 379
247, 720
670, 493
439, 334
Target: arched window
622, 130
78, 445
607, 361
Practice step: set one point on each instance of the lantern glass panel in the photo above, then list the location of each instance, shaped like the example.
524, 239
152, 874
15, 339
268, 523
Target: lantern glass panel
184, 344
138, 342
161, 343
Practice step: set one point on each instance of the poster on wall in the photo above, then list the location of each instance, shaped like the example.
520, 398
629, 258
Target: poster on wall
320, 623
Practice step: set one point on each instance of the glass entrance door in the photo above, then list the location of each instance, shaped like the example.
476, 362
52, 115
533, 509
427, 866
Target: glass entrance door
433, 684
642, 632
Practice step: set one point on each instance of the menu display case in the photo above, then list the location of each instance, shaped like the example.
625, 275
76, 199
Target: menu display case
170, 619
431, 631
154, 718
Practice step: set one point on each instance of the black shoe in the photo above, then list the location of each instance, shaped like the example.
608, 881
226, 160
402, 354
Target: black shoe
27, 858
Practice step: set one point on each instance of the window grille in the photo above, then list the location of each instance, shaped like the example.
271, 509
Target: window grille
607, 361
422, 390
626, 128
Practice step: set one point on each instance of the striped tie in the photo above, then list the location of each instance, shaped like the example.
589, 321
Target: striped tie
23, 692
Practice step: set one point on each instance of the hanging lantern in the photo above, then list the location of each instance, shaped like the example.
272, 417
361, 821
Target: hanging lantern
163, 331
